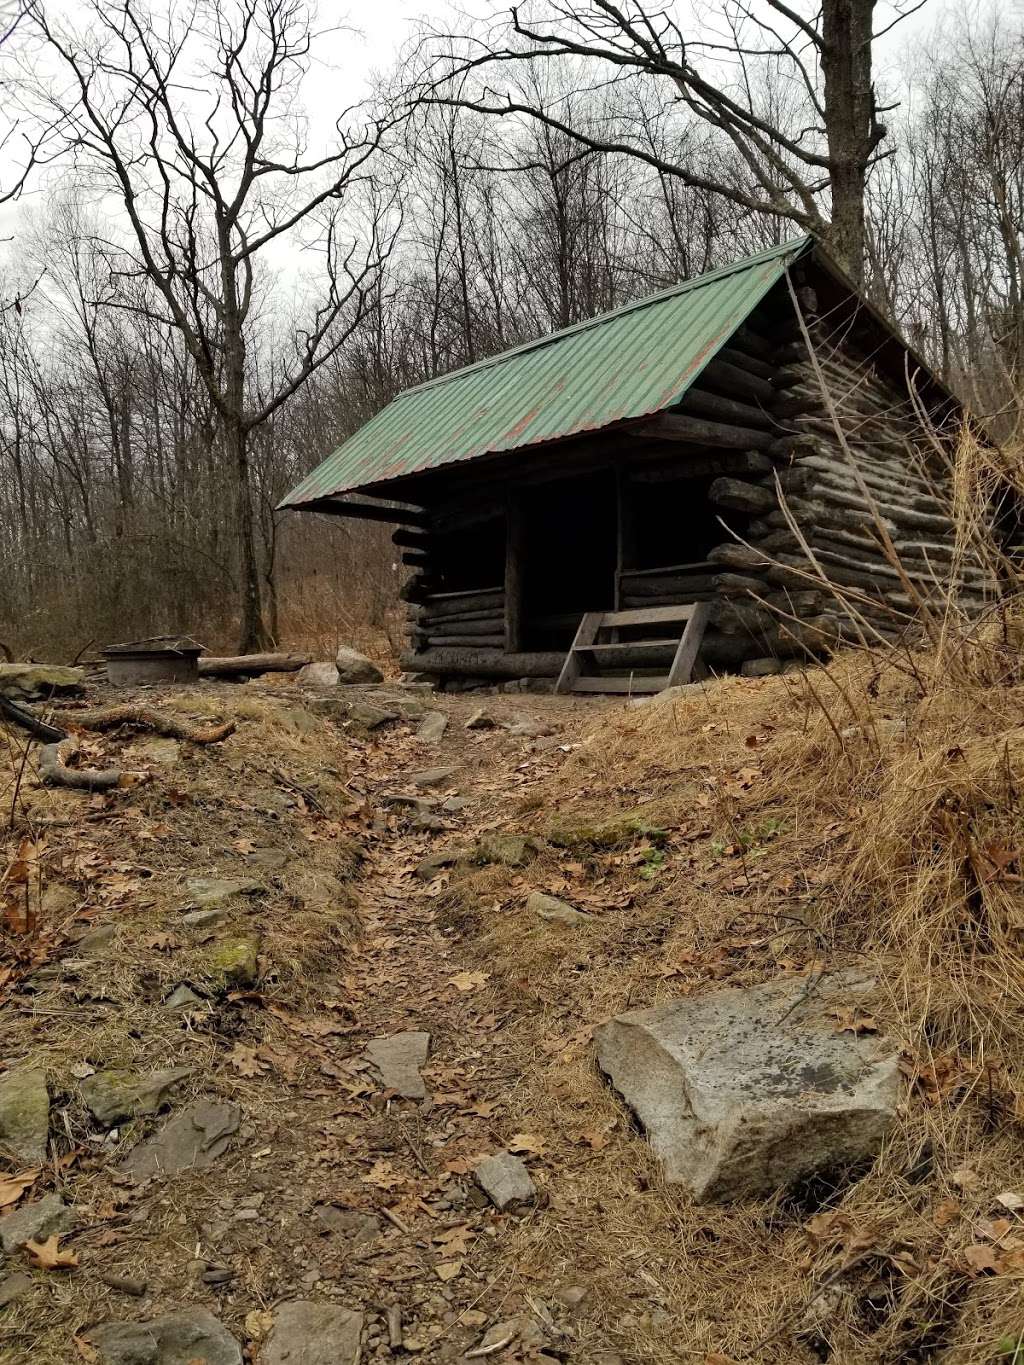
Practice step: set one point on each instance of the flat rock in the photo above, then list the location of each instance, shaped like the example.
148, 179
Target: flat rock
207, 892
193, 1140
14, 1287
205, 919
308, 1333
119, 1093
32, 682
744, 1091
506, 850
554, 911
369, 717
269, 859
505, 1180
190, 1337
433, 865
24, 1114
398, 1058
354, 667
165, 752
432, 727
323, 676
96, 941
37, 1221
432, 777
182, 998
350, 1223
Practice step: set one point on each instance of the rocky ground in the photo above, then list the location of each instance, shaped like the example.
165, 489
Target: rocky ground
297, 1059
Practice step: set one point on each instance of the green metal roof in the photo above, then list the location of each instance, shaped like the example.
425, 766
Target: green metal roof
621, 365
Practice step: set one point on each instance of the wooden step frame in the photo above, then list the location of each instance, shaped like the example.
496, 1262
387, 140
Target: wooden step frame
692, 615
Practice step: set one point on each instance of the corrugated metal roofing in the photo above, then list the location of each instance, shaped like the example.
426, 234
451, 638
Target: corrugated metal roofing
625, 364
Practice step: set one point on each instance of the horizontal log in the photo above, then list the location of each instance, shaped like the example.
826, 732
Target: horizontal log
749, 364
251, 665
741, 496
485, 663
487, 625
703, 403
735, 382
427, 619
735, 556
414, 559
699, 466
444, 605
673, 426
412, 539
464, 641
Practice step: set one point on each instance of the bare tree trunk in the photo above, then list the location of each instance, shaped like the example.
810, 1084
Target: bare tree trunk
851, 126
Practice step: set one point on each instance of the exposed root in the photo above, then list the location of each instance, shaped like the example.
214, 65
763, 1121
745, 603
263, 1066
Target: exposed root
109, 717
55, 773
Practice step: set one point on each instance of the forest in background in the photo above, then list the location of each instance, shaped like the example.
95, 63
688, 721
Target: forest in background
456, 235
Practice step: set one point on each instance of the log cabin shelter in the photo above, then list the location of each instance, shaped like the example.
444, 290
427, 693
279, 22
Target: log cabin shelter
630, 501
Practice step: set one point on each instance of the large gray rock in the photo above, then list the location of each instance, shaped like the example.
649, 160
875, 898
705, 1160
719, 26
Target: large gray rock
184, 1338
354, 667
207, 893
307, 1333
30, 682
121, 1093
24, 1114
432, 727
192, 1140
322, 676
744, 1091
35, 1222
555, 911
398, 1059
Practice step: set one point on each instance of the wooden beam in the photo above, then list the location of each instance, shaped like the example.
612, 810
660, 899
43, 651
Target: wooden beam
364, 511
485, 663
695, 430
515, 547
706, 404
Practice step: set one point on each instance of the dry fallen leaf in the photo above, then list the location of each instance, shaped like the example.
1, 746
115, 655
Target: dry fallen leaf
245, 1061
982, 1258
12, 1187
1010, 1200
527, 1142
447, 1270
48, 1256
469, 981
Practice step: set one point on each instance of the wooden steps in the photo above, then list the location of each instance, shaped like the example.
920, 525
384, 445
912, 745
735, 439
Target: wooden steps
589, 647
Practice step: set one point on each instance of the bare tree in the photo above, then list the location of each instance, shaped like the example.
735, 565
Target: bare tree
789, 154
192, 123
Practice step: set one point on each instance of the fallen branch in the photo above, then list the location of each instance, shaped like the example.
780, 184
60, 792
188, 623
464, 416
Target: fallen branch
145, 717
39, 729
55, 773
248, 665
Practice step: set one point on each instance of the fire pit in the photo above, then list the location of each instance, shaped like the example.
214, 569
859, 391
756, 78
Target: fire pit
164, 658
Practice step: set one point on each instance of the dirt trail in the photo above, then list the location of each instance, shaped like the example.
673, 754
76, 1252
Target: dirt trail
335, 1189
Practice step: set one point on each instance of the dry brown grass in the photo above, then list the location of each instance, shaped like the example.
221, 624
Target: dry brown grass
867, 812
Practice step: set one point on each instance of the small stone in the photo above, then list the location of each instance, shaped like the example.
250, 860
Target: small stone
354, 667
351, 1223
309, 1333
165, 752
744, 1091
436, 863
14, 1287
204, 919
398, 1059
453, 804
193, 1140
222, 1275
183, 1338
572, 1296
269, 859
206, 892
96, 941
506, 850
183, 998
117, 1094
234, 962
322, 676
481, 720
368, 717
432, 777
760, 668
428, 824
505, 1180
554, 911
25, 1114
125, 1284
35, 1222
432, 727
